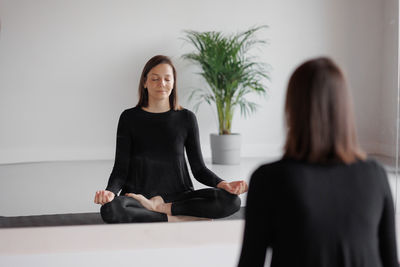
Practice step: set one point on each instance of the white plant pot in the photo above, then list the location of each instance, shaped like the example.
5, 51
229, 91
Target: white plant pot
225, 149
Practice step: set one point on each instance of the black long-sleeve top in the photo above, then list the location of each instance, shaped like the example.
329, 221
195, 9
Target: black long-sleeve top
320, 215
150, 157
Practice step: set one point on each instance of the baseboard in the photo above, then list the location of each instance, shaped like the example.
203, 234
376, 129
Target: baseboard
380, 149
253, 150
13, 156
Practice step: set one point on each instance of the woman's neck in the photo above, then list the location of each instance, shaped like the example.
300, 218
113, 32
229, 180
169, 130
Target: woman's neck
157, 106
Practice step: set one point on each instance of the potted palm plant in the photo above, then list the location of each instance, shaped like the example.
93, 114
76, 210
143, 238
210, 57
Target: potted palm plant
231, 74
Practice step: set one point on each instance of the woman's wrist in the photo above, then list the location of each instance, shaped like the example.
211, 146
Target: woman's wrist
222, 184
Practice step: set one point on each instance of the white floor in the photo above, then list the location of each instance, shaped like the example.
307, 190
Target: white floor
68, 187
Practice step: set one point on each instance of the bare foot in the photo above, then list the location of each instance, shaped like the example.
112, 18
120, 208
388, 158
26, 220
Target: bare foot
154, 204
157, 204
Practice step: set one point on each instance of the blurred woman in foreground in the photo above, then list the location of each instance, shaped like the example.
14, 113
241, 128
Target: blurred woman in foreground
324, 203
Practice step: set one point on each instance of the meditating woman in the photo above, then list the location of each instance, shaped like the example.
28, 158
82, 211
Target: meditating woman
150, 167
324, 204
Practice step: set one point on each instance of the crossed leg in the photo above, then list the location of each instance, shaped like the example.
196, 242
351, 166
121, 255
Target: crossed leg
203, 204
157, 204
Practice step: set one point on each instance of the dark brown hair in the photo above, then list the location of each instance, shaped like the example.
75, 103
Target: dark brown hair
143, 94
319, 115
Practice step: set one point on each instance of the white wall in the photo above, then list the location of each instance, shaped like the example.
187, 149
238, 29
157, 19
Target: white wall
68, 68
371, 61
389, 97
363, 64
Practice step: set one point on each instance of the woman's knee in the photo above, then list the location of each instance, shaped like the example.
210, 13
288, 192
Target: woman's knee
229, 203
233, 202
125, 209
110, 211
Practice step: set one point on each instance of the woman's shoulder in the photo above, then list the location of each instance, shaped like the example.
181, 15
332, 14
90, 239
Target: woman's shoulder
186, 114
266, 169
373, 166
126, 115
183, 115
290, 167
185, 111
137, 109
140, 112
129, 111
371, 162
276, 165
265, 176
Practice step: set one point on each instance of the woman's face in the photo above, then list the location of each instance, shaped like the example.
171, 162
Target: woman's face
159, 82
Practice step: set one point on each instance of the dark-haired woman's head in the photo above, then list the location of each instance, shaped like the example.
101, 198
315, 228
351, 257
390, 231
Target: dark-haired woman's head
158, 80
319, 115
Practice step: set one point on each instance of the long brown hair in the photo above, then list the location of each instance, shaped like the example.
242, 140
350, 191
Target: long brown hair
319, 115
143, 94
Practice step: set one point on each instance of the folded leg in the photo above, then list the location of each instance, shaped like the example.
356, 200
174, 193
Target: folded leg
206, 203
125, 209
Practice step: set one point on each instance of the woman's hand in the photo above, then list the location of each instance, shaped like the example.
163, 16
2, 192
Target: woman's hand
103, 196
236, 187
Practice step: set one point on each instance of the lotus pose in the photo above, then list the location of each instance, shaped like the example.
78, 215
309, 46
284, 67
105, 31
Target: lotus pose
324, 204
150, 167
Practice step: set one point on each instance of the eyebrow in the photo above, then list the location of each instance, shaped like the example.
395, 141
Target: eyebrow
160, 75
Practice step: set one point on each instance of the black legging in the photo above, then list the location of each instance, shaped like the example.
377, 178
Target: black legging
211, 203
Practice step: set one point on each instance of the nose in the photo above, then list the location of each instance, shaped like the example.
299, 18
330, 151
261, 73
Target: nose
162, 82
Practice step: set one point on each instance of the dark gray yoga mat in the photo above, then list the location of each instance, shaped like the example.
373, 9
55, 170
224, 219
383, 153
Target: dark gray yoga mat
72, 219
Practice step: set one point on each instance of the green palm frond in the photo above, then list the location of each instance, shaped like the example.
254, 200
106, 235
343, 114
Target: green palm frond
229, 70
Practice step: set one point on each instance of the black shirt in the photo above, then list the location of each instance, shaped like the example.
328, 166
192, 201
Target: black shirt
320, 215
150, 157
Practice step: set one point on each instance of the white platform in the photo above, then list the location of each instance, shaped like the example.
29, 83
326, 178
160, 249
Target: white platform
194, 244
64, 187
